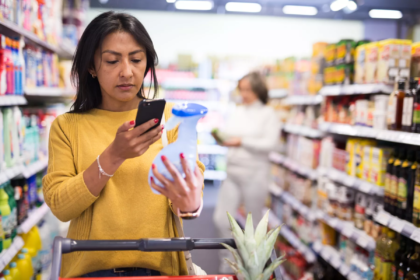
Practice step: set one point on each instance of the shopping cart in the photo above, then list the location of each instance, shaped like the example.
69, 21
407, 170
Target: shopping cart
65, 245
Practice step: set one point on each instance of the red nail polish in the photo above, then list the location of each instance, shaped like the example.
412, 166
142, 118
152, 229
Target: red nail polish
152, 180
182, 155
156, 120
153, 166
163, 126
132, 122
163, 158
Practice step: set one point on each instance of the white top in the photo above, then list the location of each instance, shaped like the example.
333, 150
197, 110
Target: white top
258, 127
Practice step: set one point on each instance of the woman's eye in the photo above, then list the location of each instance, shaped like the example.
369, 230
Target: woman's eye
136, 60
112, 62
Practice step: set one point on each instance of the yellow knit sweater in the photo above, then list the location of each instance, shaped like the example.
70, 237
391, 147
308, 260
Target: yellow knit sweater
126, 207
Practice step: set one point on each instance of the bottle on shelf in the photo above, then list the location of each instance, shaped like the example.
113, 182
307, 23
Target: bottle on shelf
14, 271
6, 275
396, 170
413, 269
416, 195
405, 180
407, 120
379, 251
399, 255
388, 182
6, 218
400, 96
416, 112
402, 270
391, 246
25, 267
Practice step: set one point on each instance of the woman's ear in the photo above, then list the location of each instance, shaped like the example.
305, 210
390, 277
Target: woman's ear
92, 72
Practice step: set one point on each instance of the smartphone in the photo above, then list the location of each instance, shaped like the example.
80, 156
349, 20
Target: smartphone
150, 109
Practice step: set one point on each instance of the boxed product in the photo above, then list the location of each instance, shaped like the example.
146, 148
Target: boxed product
346, 203
379, 161
359, 160
371, 64
330, 54
329, 75
360, 65
351, 155
367, 162
415, 60
345, 51
394, 60
344, 74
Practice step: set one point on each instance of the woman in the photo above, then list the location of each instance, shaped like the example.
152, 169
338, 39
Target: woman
251, 132
99, 163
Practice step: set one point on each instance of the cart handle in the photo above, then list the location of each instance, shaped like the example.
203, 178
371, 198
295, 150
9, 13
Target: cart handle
64, 245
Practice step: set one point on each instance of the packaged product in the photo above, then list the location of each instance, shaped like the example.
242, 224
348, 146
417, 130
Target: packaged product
394, 60
330, 54
346, 198
328, 234
322, 195
344, 74
359, 161
345, 51
318, 58
371, 65
332, 192
360, 64
329, 75
379, 115
369, 210
405, 59
360, 208
367, 162
351, 152
415, 60
379, 161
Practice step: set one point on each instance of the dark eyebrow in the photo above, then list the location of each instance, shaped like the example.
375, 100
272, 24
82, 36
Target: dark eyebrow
119, 54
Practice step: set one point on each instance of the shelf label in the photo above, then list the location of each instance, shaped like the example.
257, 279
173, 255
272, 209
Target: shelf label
344, 270
333, 222
365, 187
326, 254
396, 225
363, 241
347, 231
383, 218
317, 246
336, 262
416, 235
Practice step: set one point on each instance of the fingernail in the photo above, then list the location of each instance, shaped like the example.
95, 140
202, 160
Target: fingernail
182, 155
163, 127
153, 166
156, 120
132, 122
152, 180
163, 158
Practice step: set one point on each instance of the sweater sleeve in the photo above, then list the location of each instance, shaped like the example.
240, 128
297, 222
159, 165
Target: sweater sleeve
64, 188
267, 140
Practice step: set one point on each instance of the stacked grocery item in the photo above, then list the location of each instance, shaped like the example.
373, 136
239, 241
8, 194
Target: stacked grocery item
304, 151
280, 75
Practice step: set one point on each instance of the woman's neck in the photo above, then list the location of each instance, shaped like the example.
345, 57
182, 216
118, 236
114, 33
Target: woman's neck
113, 105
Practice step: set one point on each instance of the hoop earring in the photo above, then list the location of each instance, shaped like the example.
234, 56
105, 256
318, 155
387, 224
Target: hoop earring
93, 76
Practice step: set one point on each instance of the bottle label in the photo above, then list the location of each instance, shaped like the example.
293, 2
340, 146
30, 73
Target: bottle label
416, 113
394, 271
387, 184
400, 274
393, 191
402, 193
392, 106
416, 202
407, 111
386, 270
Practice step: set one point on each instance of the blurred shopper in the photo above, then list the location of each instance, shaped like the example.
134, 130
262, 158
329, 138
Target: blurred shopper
251, 133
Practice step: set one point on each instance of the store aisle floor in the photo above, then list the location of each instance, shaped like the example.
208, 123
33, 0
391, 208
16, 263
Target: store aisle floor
203, 227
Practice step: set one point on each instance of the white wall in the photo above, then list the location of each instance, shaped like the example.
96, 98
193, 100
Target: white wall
259, 37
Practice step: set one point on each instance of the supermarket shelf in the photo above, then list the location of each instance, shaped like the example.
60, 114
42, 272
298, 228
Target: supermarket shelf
11, 29
293, 166
331, 255
367, 132
215, 175
303, 130
53, 92
351, 182
347, 229
403, 227
12, 100
291, 237
211, 150
185, 83
278, 93
7, 255
21, 170
355, 89
33, 218
303, 100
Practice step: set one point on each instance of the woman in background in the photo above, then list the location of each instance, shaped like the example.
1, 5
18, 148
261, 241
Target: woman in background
251, 133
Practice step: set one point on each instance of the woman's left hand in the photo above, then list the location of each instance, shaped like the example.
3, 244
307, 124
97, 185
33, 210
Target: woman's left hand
232, 142
185, 194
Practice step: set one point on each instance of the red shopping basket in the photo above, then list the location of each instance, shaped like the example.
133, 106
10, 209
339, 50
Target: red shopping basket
65, 245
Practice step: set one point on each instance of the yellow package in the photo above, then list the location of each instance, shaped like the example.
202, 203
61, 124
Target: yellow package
367, 162
371, 65
379, 161
415, 60
360, 65
404, 63
351, 152
359, 156
328, 234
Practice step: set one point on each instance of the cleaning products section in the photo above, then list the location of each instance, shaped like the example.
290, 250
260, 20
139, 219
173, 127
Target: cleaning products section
38, 38
346, 173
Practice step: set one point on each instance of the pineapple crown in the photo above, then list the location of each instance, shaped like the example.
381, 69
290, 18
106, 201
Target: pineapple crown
254, 249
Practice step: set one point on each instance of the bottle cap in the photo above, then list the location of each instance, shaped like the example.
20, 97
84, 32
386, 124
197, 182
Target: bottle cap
6, 272
21, 256
24, 250
13, 265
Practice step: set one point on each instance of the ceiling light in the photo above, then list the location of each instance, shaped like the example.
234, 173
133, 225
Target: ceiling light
394, 14
338, 5
300, 10
171, 1
243, 7
352, 6
194, 5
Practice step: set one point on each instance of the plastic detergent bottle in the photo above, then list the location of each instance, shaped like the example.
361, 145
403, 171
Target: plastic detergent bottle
32, 241
14, 271
187, 116
6, 217
25, 267
6, 275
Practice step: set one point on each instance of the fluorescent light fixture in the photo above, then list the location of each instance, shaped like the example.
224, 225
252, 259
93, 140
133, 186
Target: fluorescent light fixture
338, 5
171, 1
352, 6
194, 5
243, 7
300, 10
393, 14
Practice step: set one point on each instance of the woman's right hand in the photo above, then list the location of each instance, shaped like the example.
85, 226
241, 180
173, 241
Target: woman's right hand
131, 142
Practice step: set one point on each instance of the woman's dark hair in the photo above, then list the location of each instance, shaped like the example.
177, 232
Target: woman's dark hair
258, 85
88, 90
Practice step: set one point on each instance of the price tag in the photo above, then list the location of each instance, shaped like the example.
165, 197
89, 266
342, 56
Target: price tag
365, 187
383, 218
353, 276
416, 235
317, 246
363, 241
396, 225
348, 231
335, 262
350, 181
333, 222
326, 254
344, 270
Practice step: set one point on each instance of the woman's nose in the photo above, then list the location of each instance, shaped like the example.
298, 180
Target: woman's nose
126, 70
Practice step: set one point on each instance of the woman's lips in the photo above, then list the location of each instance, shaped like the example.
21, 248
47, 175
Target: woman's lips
125, 87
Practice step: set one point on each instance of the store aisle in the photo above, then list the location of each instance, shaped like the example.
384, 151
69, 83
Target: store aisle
203, 227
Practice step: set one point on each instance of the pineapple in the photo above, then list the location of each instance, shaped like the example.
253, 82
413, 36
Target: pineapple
254, 250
